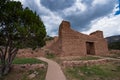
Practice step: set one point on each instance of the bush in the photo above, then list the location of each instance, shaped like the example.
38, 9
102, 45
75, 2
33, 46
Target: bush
49, 55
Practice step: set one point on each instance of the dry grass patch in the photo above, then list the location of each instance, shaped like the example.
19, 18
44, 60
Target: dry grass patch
108, 71
27, 69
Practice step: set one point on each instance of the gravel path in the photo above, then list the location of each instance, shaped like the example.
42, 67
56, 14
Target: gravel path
54, 71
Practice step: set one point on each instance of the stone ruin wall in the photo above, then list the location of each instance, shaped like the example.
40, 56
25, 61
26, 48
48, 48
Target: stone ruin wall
73, 43
53, 46
84, 62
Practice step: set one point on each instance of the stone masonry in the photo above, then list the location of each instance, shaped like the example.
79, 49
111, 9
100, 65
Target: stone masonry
73, 43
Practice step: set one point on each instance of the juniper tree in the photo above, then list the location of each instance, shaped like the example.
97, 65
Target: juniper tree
18, 27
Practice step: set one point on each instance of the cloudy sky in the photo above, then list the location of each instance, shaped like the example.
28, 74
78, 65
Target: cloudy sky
85, 16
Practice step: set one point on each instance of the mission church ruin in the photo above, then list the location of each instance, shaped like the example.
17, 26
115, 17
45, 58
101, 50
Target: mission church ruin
73, 43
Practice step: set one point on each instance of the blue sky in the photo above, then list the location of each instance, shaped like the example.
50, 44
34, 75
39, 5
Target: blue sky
85, 16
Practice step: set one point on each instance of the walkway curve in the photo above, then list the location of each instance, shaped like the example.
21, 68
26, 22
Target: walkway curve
54, 71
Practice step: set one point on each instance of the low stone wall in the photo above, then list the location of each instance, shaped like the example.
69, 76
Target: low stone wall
30, 53
83, 63
27, 66
114, 51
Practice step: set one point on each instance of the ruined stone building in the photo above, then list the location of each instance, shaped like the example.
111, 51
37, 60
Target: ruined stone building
71, 43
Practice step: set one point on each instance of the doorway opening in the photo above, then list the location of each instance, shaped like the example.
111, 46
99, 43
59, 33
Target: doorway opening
90, 48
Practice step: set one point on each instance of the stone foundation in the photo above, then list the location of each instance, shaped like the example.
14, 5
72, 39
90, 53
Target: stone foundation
83, 63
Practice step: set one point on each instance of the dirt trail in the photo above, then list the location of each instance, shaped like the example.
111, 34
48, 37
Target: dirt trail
54, 71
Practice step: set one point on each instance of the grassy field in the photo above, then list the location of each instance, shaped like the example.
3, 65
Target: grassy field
27, 61
23, 74
109, 71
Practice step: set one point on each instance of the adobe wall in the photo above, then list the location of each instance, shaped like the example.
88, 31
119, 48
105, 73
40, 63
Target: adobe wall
70, 40
54, 46
73, 43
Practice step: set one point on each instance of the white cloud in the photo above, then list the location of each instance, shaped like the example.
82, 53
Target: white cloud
81, 13
19, 0
75, 9
51, 23
95, 2
50, 19
109, 25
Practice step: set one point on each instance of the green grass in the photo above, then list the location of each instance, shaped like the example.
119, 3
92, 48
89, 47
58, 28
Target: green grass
50, 55
108, 71
94, 70
26, 61
87, 58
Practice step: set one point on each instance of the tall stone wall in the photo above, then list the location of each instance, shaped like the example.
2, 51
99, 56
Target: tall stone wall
72, 43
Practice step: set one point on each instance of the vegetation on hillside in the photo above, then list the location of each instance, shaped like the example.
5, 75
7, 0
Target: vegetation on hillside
114, 45
48, 38
113, 42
